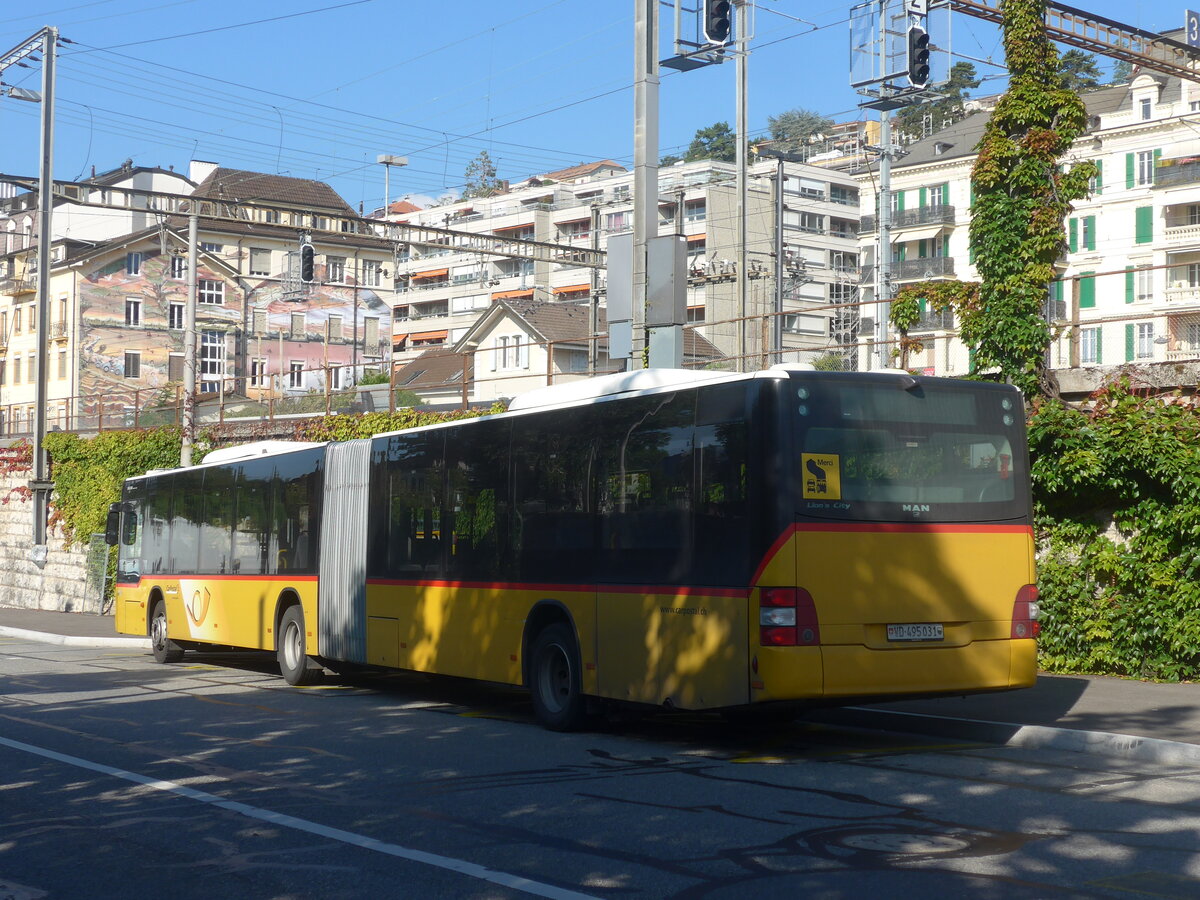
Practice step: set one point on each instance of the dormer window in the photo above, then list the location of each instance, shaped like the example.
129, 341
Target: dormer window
1145, 108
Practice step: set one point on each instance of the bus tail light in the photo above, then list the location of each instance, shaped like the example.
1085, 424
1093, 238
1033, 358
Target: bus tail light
1025, 613
787, 617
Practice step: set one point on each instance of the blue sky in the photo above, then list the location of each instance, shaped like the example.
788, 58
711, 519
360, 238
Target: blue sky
322, 87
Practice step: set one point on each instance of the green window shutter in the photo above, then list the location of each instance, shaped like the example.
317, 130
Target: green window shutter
946, 193
971, 195
1154, 171
921, 304
1090, 222
1073, 234
1129, 284
1128, 343
1099, 176
1143, 224
1087, 290
1056, 290
922, 248
1129, 170
971, 254
1099, 344
923, 198
899, 201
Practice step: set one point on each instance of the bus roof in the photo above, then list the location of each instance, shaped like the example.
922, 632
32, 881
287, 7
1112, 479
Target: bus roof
611, 385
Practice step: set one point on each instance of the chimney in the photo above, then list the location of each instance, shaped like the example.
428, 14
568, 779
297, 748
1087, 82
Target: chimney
198, 169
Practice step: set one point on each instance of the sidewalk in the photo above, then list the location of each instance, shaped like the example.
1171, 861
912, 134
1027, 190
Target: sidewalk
1112, 716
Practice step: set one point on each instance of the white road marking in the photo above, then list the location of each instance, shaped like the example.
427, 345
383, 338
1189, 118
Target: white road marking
471, 870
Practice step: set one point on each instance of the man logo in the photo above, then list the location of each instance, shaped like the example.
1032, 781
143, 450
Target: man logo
915, 507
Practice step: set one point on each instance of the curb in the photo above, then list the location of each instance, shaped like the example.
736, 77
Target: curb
1041, 737
127, 643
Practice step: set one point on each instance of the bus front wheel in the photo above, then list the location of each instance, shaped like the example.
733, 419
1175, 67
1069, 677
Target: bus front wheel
165, 650
294, 663
554, 682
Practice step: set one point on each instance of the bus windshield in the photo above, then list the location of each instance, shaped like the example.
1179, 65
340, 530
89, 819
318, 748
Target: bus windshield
900, 449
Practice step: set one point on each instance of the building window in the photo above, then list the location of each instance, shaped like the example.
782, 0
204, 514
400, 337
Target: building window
33, 319
260, 261
212, 360
179, 267
298, 325
937, 195
17, 319
1145, 284
260, 321
335, 268
258, 372
133, 263
133, 311
335, 378
16, 370
133, 364
695, 210
3, 372
1145, 167
175, 367
812, 223
370, 272
335, 328
511, 353
618, 221
296, 374
62, 364
1088, 232
271, 216
209, 247
211, 291
1145, 340
1145, 108
1089, 346
175, 316
32, 377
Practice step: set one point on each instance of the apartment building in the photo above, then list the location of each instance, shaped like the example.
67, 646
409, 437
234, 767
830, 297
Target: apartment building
1128, 290
442, 292
118, 298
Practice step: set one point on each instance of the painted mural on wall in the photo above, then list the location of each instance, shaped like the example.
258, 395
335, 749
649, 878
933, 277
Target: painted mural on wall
133, 305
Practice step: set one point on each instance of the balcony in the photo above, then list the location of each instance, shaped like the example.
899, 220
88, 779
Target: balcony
16, 287
1177, 172
58, 331
915, 269
1183, 296
1181, 235
935, 321
942, 214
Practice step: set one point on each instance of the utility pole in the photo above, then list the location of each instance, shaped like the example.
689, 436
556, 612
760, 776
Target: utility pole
40, 486
883, 262
188, 425
741, 30
645, 162
594, 293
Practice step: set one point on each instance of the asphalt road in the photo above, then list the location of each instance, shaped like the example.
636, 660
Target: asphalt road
120, 778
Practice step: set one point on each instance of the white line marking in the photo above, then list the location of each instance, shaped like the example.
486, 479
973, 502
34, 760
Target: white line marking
471, 870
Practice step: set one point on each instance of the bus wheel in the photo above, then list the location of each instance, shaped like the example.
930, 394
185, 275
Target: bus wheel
554, 681
294, 663
165, 650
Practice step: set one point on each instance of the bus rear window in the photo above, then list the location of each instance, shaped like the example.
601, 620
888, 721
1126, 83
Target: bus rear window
885, 454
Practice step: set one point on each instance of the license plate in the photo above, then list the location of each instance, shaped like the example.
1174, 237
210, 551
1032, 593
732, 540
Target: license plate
920, 631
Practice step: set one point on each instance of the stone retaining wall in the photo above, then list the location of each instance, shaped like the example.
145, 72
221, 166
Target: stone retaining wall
59, 585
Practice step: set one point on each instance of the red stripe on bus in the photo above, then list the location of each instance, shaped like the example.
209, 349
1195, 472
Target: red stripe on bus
882, 528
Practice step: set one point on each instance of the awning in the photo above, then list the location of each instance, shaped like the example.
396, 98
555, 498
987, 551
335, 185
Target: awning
573, 288
511, 295
693, 238
399, 341
572, 221
903, 235
512, 227
430, 273
428, 336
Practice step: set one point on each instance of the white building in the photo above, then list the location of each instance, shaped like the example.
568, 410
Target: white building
1128, 291
442, 292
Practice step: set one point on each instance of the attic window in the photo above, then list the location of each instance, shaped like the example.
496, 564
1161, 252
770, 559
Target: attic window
940, 147
1145, 109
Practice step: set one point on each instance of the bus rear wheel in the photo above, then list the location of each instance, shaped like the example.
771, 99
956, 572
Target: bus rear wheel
554, 679
292, 650
165, 650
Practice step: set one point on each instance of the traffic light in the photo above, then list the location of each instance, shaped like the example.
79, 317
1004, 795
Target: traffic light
918, 56
716, 21
307, 265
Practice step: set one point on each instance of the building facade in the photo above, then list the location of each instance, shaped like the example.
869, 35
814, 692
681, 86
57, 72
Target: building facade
1128, 288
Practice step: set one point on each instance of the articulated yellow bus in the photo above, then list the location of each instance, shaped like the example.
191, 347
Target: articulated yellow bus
690, 540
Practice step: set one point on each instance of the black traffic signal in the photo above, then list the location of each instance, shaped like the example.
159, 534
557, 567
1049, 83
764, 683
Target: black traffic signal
918, 56
307, 264
716, 21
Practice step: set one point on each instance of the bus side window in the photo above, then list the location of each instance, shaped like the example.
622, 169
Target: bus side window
477, 471
407, 505
722, 525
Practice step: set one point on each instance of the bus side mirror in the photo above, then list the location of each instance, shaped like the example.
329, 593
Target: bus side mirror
112, 525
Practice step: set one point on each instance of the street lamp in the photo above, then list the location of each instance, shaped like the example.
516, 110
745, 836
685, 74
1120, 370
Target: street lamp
387, 161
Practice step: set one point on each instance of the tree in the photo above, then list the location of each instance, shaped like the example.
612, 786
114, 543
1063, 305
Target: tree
481, 180
797, 128
1122, 71
717, 141
947, 106
1079, 71
1022, 197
